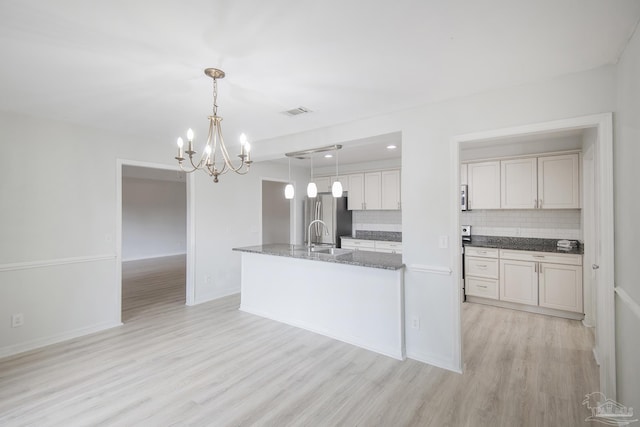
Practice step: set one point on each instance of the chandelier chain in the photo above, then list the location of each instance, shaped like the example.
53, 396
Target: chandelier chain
215, 97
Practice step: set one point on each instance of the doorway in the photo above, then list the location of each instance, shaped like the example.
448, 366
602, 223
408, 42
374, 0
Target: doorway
276, 213
600, 234
154, 229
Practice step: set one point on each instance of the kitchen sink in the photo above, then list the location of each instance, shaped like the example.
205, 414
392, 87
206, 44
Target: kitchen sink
331, 251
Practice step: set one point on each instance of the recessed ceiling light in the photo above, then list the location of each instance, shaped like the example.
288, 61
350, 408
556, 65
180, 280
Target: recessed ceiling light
391, 147
328, 156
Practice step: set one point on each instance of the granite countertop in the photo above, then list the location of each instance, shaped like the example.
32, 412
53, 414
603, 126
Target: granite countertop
359, 258
385, 236
522, 244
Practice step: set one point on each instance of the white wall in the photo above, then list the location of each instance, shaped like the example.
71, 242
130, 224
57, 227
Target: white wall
427, 179
227, 215
154, 218
627, 208
57, 257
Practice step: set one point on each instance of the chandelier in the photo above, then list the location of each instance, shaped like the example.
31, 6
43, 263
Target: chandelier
215, 159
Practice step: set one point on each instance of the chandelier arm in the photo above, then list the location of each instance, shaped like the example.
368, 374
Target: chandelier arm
227, 157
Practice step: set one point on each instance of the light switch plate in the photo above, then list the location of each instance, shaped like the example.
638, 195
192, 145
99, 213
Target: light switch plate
443, 242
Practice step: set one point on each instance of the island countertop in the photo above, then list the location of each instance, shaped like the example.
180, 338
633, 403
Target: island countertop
359, 258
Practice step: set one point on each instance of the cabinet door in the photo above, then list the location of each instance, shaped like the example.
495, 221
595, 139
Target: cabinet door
323, 183
390, 190
559, 182
561, 287
372, 190
484, 185
355, 199
518, 184
463, 174
344, 180
519, 282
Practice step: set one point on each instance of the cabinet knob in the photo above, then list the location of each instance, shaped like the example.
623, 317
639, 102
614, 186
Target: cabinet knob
595, 266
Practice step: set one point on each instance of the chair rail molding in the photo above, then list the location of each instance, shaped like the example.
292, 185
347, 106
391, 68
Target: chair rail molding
54, 262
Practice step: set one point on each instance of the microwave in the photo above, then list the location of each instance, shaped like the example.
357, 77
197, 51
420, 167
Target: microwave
464, 197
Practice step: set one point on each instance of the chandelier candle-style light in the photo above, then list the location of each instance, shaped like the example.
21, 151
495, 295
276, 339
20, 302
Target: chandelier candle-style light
215, 159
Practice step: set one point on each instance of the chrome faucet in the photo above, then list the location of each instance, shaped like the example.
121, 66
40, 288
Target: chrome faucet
309, 231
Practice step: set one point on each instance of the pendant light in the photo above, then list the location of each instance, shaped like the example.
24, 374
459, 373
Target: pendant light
312, 189
336, 188
289, 191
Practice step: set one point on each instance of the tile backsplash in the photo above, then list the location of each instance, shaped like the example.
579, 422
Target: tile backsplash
377, 220
542, 223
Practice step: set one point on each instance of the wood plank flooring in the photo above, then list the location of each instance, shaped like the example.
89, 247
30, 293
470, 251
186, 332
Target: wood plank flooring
212, 365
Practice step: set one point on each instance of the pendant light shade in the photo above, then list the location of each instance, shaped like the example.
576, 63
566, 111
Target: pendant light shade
336, 189
289, 191
312, 189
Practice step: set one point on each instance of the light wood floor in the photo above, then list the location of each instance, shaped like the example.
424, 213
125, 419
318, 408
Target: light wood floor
212, 365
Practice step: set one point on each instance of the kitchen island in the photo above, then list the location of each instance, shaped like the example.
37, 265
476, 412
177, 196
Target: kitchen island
353, 296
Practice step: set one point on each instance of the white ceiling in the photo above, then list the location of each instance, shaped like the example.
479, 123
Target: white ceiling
136, 67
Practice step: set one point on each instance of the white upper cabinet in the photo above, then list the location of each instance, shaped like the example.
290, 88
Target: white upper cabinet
390, 189
545, 182
484, 185
463, 174
518, 184
344, 180
559, 182
372, 190
323, 183
355, 200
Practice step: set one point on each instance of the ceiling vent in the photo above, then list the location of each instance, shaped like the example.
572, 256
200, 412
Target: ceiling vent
296, 111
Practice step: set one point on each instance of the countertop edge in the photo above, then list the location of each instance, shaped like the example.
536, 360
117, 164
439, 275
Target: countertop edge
334, 260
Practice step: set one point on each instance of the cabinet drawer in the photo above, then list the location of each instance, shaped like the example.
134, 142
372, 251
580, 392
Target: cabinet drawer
389, 251
366, 245
486, 288
552, 257
481, 267
388, 246
481, 252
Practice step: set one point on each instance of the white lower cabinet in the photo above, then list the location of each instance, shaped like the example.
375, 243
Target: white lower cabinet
539, 279
519, 282
481, 272
372, 245
561, 286
547, 280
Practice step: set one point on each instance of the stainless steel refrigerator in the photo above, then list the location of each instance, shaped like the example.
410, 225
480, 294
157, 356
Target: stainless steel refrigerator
333, 212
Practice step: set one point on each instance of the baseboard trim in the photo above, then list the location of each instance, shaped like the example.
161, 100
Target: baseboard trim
154, 256
433, 360
35, 344
53, 262
215, 297
528, 308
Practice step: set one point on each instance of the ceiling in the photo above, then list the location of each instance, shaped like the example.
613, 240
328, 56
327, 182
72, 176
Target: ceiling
136, 67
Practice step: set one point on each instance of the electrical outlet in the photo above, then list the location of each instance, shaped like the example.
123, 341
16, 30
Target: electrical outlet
207, 278
415, 323
17, 320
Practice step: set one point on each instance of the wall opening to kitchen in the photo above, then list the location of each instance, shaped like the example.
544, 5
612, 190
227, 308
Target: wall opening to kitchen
276, 213
506, 154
